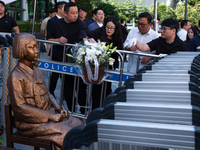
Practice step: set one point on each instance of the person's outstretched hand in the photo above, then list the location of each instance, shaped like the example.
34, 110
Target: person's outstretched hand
133, 48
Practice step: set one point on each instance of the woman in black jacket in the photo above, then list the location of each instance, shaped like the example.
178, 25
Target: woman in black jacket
109, 33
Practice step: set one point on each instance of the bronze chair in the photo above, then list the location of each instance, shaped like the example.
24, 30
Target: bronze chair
12, 137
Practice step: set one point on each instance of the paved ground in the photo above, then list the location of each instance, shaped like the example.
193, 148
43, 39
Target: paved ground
57, 94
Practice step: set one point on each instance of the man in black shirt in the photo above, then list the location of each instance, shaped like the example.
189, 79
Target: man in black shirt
69, 30
82, 12
7, 23
168, 43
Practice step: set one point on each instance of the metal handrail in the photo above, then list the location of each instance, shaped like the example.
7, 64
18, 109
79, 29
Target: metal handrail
118, 52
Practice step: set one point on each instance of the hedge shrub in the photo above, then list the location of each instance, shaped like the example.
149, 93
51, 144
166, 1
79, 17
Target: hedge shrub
27, 26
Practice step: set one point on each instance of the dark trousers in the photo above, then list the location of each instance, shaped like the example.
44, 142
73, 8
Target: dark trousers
68, 89
53, 79
96, 94
68, 93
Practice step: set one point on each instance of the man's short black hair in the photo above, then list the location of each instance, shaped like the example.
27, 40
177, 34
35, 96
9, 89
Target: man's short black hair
82, 8
96, 10
60, 5
172, 23
146, 15
93, 11
122, 20
52, 10
2, 3
184, 22
68, 5
199, 23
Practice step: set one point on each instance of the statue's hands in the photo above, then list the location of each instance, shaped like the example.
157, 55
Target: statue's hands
57, 117
64, 112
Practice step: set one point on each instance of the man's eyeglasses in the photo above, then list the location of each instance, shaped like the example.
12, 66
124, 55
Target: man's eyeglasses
142, 25
111, 29
164, 29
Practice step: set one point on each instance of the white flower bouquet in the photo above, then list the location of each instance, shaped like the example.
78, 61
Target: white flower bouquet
92, 58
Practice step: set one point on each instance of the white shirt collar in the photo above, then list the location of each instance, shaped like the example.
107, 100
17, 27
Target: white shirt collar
58, 16
149, 32
100, 25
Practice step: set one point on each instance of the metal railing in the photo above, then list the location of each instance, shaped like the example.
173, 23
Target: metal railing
121, 76
121, 54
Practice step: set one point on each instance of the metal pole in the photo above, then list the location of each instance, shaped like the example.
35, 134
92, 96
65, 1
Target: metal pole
186, 9
155, 16
3, 99
34, 16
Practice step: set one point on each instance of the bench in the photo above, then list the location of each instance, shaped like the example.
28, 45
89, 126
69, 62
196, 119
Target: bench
14, 137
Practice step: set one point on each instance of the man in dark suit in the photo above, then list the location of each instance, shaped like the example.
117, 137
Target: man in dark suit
60, 14
124, 31
82, 12
99, 13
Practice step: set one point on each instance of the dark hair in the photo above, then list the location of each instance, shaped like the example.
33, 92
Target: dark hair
179, 20
2, 3
117, 36
96, 10
93, 11
146, 15
194, 30
172, 23
122, 20
152, 24
199, 23
59, 5
158, 19
68, 5
52, 10
183, 23
82, 8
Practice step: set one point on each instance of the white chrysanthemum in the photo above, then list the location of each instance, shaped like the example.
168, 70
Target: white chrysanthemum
103, 60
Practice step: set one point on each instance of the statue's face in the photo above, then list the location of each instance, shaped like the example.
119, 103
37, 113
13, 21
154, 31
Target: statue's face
32, 51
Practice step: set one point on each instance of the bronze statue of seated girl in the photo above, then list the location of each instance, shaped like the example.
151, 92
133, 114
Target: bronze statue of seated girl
37, 113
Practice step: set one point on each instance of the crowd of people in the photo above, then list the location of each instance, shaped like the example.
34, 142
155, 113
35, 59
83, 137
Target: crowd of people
70, 25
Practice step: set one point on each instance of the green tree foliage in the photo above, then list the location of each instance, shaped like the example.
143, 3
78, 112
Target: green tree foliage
108, 9
126, 9
192, 2
163, 12
87, 4
193, 13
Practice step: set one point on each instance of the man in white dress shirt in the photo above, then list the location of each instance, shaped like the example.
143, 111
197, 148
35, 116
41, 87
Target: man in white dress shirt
144, 34
182, 33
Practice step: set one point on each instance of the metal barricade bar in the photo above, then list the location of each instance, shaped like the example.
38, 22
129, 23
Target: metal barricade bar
69, 66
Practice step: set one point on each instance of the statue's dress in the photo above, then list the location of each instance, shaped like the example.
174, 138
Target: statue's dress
32, 105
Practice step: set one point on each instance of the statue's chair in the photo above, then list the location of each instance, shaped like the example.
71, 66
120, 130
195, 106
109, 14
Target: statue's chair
14, 137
